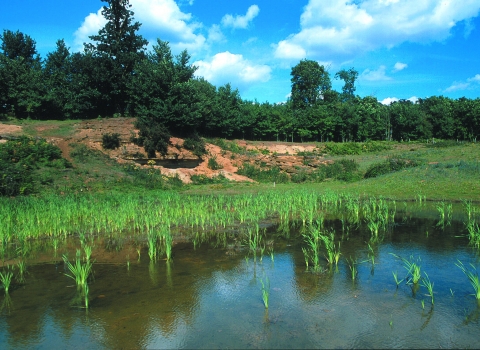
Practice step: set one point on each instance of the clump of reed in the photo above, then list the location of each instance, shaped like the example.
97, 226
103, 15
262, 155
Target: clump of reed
6, 279
472, 275
79, 271
265, 291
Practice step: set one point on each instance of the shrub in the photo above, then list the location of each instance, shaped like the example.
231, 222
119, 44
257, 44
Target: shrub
273, 174
344, 170
18, 160
205, 180
355, 148
195, 144
390, 165
152, 137
213, 164
110, 141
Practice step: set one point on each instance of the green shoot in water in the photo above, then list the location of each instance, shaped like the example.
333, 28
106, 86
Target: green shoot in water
352, 264
472, 276
397, 281
265, 291
22, 270
6, 279
429, 285
78, 272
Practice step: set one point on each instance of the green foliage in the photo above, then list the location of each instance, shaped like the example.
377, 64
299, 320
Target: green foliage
390, 165
213, 164
110, 140
81, 153
444, 144
20, 158
195, 144
273, 174
205, 180
153, 136
355, 148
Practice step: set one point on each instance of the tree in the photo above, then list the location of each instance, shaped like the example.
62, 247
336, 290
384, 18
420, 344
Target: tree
349, 77
21, 88
310, 83
117, 49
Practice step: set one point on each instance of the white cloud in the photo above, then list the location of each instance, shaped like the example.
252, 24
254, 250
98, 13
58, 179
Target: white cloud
476, 78
389, 100
226, 67
241, 21
160, 19
464, 85
215, 34
90, 26
344, 28
375, 75
399, 66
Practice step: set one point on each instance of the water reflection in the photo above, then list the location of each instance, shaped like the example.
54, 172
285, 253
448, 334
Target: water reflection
212, 297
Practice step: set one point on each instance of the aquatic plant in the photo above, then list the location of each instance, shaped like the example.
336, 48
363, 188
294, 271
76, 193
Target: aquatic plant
78, 272
413, 270
6, 279
333, 252
352, 264
265, 291
22, 270
429, 285
397, 281
472, 277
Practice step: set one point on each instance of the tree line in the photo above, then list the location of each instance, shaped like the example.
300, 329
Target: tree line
115, 75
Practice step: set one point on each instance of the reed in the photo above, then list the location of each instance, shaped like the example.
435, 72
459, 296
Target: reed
22, 270
78, 272
429, 285
413, 269
265, 291
397, 281
472, 277
6, 279
352, 264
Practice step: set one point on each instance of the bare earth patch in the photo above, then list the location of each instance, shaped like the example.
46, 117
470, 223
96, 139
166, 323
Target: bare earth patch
89, 132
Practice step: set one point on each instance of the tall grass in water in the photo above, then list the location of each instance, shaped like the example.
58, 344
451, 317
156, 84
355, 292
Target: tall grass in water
429, 285
265, 291
333, 252
472, 277
79, 271
413, 270
311, 252
6, 279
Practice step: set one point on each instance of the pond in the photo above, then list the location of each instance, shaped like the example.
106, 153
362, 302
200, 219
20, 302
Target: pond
210, 295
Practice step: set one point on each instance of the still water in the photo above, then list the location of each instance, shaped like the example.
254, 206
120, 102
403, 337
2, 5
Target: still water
211, 296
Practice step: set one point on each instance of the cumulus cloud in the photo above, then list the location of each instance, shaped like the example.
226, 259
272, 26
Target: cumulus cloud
226, 67
472, 82
399, 66
241, 22
389, 100
344, 28
159, 18
90, 26
375, 75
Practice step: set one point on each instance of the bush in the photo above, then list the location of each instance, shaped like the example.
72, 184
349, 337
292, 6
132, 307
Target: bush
344, 170
269, 175
205, 180
153, 137
195, 144
390, 165
110, 141
213, 164
355, 148
18, 160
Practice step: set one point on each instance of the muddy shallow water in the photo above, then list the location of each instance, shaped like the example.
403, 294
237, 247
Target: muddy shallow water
211, 297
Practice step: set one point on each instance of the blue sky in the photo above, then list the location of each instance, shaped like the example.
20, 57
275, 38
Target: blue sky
402, 49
